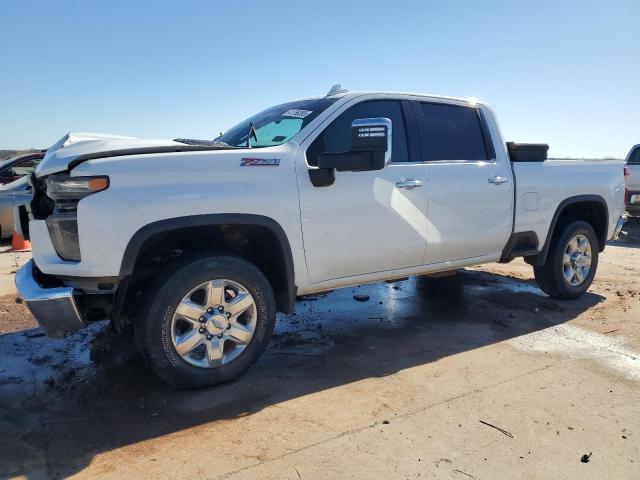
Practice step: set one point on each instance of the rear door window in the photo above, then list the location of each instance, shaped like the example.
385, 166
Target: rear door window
452, 132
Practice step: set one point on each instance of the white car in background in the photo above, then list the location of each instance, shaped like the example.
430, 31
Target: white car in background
14, 187
197, 244
12, 195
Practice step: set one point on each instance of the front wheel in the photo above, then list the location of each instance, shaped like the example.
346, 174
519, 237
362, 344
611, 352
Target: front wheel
571, 262
207, 321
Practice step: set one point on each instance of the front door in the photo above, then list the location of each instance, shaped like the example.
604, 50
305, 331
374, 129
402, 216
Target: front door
364, 222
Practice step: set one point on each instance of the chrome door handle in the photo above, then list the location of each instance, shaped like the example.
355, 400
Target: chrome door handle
497, 179
409, 184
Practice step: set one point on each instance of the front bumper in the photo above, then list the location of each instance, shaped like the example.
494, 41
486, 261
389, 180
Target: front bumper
55, 308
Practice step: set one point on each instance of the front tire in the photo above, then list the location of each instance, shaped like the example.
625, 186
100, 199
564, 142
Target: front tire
207, 321
571, 262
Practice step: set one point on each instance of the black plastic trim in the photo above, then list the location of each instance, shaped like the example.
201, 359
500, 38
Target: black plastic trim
144, 151
411, 127
541, 257
138, 239
520, 244
486, 135
322, 177
527, 152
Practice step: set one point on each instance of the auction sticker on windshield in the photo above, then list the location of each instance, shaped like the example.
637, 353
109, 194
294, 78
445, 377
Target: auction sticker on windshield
297, 113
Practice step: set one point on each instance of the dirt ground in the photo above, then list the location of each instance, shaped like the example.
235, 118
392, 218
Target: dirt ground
470, 377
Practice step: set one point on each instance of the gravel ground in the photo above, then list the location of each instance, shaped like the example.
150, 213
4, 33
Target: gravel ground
474, 376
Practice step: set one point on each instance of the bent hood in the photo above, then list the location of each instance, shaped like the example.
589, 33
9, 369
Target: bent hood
73, 145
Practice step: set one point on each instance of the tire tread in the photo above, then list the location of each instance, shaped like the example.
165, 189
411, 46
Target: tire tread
549, 276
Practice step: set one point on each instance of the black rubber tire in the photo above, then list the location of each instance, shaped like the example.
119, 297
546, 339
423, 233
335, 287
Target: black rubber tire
550, 277
152, 328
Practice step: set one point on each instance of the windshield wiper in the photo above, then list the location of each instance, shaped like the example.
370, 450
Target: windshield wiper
252, 133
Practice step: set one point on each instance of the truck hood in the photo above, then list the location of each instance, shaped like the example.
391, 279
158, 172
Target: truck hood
73, 145
74, 148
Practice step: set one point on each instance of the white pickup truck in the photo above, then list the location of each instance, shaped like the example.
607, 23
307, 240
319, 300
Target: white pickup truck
633, 181
197, 244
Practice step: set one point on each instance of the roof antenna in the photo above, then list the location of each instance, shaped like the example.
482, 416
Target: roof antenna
336, 89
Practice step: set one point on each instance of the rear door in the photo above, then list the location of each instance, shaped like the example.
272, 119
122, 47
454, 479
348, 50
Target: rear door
469, 192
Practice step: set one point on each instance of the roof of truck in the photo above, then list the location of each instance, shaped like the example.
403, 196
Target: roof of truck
354, 94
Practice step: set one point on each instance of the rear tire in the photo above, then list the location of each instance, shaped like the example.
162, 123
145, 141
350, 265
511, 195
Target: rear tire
188, 334
564, 273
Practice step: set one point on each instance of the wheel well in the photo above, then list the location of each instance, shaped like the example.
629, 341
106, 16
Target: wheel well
259, 244
589, 208
592, 212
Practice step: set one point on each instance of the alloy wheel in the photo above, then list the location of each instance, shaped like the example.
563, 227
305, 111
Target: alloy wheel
214, 323
577, 258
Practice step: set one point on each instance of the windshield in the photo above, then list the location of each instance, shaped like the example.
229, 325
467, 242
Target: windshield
276, 125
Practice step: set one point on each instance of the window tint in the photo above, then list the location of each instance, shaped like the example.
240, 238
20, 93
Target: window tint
453, 133
336, 137
634, 158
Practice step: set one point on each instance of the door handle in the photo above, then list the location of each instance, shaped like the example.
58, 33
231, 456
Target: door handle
409, 184
497, 179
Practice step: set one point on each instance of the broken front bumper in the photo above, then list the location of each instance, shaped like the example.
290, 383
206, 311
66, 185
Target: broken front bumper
55, 308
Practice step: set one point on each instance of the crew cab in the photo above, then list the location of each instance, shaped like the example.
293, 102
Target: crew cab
197, 244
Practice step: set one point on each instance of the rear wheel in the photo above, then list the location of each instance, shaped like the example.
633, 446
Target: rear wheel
207, 321
571, 262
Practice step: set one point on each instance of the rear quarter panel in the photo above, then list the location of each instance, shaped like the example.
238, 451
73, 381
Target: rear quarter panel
542, 186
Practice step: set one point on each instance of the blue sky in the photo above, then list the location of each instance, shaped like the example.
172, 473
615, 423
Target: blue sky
563, 72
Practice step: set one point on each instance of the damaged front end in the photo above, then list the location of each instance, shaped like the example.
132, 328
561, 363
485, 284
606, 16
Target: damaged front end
62, 304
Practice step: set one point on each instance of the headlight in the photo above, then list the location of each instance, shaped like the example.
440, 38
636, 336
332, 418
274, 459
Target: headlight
66, 192
62, 187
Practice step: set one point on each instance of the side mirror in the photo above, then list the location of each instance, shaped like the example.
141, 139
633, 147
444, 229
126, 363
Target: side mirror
370, 147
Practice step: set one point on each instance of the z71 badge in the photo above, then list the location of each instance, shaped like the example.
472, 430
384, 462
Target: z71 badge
259, 162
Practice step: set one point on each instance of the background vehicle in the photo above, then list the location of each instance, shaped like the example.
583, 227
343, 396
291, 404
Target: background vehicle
213, 238
11, 195
633, 181
18, 167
